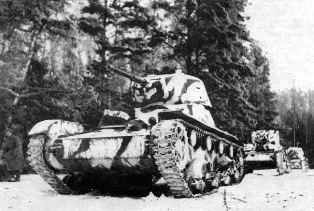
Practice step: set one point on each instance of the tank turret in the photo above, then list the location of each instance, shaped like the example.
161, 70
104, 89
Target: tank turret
156, 93
167, 89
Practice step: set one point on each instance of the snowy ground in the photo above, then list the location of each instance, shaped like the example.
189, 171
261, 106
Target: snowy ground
262, 190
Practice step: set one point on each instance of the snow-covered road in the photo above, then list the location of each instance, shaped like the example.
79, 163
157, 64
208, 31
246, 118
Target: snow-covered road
262, 190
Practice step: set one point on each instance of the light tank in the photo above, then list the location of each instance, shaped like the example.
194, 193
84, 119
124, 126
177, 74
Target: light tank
172, 138
297, 158
265, 151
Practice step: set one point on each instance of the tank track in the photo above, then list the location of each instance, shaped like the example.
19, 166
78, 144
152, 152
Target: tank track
164, 154
37, 162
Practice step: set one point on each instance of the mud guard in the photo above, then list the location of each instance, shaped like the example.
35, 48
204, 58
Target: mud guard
166, 115
65, 127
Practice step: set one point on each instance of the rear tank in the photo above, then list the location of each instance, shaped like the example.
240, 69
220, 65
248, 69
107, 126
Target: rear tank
172, 138
266, 152
297, 158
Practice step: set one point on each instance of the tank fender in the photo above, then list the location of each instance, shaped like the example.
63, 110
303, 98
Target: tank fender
42, 127
53, 129
65, 127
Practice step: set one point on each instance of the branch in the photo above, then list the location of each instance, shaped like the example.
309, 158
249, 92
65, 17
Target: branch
16, 95
39, 105
19, 96
32, 94
10, 91
39, 88
168, 44
217, 80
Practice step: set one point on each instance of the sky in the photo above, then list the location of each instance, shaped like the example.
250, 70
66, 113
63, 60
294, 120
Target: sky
285, 31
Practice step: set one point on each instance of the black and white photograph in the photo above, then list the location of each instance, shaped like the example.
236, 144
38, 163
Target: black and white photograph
156, 105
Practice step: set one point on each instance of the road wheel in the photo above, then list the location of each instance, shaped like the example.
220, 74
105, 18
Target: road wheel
76, 184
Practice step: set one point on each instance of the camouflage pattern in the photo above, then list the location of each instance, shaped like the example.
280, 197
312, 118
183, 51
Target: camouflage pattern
172, 92
171, 89
119, 114
196, 111
265, 151
266, 140
56, 128
172, 122
296, 153
297, 158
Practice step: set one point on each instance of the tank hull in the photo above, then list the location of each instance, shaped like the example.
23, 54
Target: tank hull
191, 157
127, 154
261, 160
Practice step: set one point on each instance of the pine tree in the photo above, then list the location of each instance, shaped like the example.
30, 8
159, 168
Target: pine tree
207, 38
36, 82
122, 31
24, 27
260, 94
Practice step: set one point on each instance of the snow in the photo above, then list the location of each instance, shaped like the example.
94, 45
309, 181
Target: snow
262, 190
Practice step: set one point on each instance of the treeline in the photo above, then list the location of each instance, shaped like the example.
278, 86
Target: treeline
54, 57
296, 119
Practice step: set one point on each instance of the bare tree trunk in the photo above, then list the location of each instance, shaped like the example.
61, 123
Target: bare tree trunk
30, 57
32, 51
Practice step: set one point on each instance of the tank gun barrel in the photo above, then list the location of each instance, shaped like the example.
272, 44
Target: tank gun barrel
130, 76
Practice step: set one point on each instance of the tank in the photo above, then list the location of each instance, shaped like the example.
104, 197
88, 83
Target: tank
265, 152
171, 140
297, 158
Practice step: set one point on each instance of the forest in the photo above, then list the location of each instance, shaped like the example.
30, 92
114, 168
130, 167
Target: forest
54, 58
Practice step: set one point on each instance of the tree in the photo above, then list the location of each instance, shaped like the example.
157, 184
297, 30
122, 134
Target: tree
40, 63
263, 99
206, 37
25, 25
295, 108
122, 31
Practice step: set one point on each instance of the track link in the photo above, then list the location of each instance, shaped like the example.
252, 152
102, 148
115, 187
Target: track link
37, 161
166, 136
164, 152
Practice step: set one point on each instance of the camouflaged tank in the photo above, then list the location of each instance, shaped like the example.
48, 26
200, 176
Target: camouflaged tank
266, 152
172, 138
297, 158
